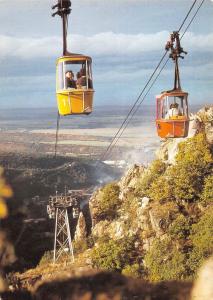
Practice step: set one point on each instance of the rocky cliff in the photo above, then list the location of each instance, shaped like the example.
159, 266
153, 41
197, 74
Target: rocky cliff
160, 211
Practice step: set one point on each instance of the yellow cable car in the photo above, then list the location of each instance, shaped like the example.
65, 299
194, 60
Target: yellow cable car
74, 84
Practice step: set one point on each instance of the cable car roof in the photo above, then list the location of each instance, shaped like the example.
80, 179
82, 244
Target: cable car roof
172, 93
74, 56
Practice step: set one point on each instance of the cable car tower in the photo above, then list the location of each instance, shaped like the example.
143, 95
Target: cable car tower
172, 120
58, 209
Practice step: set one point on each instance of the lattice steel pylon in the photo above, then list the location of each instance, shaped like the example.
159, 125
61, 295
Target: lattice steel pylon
62, 242
58, 209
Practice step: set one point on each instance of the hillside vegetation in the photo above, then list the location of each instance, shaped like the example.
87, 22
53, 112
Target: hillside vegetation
157, 223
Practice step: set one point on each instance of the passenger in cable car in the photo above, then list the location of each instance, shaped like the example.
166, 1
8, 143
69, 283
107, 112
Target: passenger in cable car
78, 76
69, 80
82, 79
173, 111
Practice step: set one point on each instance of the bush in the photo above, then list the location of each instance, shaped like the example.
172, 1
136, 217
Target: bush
180, 228
165, 262
156, 169
194, 163
184, 181
161, 190
195, 151
113, 255
207, 194
109, 202
202, 240
132, 270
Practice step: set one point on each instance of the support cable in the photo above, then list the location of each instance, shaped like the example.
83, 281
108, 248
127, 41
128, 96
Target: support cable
187, 15
192, 19
56, 134
134, 105
129, 120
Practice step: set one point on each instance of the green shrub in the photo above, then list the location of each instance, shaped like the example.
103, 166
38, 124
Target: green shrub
161, 190
202, 240
109, 202
184, 181
180, 228
207, 194
195, 151
113, 255
194, 163
132, 270
156, 169
165, 262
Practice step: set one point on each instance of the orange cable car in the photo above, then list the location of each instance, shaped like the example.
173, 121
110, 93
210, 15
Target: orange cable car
172, 117
74, 84
172, 122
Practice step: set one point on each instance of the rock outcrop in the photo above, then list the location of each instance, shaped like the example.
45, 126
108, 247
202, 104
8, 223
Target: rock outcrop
161, 204
81, 230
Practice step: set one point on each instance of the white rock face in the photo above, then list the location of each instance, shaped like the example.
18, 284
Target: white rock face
144, 202
129, 180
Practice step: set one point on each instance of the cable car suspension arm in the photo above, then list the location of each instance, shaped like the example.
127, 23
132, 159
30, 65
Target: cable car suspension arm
63, 10
176, 50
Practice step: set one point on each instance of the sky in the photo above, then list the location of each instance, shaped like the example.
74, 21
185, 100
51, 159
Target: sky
125, 38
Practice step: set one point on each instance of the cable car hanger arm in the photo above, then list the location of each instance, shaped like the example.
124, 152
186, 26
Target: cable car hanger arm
63, 10
176, 50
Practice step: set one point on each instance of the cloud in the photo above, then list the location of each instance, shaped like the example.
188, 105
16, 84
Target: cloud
99, 45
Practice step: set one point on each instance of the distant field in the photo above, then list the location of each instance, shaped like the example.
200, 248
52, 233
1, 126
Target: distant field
33, 131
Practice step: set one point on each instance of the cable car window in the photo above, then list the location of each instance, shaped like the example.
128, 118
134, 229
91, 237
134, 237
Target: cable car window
60, 77
74, 75
174, 106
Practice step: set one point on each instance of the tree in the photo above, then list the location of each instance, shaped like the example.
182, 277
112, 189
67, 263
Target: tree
109, 202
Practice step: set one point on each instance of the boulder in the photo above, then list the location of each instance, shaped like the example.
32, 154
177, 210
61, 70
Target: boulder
129, 180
